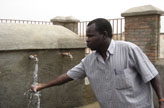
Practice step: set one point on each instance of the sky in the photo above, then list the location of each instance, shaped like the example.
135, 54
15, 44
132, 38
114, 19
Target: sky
84, 10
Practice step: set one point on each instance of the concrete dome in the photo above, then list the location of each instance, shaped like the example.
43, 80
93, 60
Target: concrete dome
35, 36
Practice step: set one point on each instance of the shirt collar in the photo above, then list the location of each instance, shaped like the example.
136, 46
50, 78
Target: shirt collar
110, 50
111, 47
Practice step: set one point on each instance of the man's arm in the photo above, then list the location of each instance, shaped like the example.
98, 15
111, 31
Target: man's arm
64, 78
157, 85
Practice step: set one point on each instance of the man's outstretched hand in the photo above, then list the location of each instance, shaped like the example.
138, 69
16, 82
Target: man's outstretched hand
36, 88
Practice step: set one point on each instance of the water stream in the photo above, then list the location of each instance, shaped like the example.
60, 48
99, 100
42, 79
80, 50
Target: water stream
34, 97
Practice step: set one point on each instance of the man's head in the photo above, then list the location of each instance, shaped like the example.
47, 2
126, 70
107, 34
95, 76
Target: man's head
99, 32
102, 25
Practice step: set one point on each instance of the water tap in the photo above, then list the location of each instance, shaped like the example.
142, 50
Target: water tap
67, 54
34, 57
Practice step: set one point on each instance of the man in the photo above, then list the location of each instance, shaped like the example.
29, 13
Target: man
119, 72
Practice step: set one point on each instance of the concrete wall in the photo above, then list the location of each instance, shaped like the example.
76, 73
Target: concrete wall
162, 46
160, 67
69, 22
16, 76
17, 43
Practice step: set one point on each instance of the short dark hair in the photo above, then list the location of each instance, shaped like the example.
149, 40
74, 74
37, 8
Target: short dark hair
102, 25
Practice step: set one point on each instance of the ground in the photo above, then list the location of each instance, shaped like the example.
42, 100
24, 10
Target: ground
93, 105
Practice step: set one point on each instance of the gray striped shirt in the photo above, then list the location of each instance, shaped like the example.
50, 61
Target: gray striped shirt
122, 80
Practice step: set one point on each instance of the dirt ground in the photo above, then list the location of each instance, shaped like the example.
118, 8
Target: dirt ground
93, 105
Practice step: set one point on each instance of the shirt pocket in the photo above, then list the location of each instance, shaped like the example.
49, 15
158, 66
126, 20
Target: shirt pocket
121, 79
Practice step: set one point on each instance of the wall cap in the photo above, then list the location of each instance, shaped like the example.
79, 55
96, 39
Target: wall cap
64, 19
142, 10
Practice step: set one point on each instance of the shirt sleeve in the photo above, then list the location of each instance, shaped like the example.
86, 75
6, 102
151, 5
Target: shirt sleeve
143, 65
77, 72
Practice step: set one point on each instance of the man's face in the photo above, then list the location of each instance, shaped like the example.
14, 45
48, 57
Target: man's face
94, 38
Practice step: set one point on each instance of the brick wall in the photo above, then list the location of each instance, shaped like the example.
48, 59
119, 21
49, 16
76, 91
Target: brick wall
144, 31
142, 27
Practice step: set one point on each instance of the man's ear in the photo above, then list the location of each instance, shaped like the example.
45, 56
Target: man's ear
105, 33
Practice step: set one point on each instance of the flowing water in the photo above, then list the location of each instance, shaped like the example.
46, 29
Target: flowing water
34, 97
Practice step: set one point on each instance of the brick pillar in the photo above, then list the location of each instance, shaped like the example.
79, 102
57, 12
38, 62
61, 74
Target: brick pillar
68, 22
142, 27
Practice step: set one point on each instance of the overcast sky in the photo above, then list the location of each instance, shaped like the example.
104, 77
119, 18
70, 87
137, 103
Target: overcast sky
44, 10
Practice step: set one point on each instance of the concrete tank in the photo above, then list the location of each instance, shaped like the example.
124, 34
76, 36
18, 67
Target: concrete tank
17, 42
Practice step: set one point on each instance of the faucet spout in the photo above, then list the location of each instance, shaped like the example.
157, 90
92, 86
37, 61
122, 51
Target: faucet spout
67, 54
34, 57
